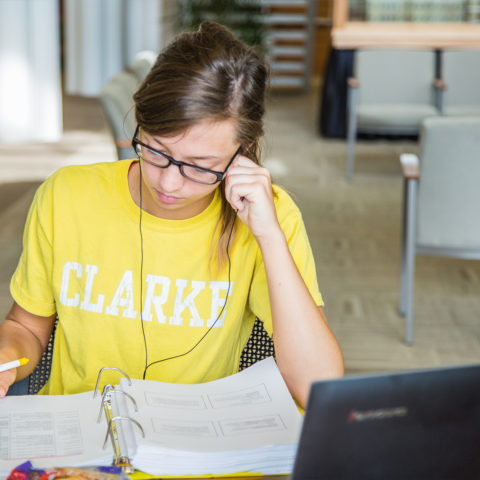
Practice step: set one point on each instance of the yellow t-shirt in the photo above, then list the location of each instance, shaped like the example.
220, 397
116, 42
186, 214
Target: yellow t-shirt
82, 259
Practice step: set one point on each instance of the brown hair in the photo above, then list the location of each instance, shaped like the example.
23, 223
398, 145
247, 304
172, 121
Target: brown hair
207, 74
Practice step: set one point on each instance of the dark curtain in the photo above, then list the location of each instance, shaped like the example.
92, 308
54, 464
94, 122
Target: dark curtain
333, 110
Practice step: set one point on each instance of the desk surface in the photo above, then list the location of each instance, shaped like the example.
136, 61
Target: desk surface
268, 477
406, 35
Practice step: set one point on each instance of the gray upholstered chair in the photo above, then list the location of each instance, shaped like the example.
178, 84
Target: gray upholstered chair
460, 86
142, 63
442, 199
117, 102
391, 92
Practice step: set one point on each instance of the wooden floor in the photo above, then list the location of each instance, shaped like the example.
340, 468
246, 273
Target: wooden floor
354, 230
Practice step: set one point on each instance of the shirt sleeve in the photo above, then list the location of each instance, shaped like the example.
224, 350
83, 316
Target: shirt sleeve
292, 224
31, 283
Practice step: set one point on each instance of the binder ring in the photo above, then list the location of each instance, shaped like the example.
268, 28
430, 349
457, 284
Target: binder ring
106, 397
109, 368
120, 417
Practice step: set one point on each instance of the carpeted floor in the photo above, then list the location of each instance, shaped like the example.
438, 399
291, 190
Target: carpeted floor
354, 230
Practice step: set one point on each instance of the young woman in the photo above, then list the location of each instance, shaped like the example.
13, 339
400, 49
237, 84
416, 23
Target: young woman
159, 265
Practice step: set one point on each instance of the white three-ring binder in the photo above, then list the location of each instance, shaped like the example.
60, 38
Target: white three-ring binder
247, 422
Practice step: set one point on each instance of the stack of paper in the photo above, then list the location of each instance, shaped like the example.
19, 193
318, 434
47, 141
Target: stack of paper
276, 459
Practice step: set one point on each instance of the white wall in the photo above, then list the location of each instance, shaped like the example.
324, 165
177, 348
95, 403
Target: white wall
103, 36
30, 86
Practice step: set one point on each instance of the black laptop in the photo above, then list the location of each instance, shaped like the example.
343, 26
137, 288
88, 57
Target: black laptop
421, 424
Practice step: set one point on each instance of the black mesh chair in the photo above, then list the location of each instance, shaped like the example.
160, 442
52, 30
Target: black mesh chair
40, 374
258, 347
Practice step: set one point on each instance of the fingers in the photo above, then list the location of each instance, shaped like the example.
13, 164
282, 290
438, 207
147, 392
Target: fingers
248, 189
244, 164
245, 180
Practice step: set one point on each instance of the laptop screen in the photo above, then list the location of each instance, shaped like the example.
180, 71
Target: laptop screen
421, 424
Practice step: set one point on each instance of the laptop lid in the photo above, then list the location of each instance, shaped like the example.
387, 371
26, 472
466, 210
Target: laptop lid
421, 424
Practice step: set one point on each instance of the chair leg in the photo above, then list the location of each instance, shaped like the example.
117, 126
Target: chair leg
351, 132
409, 275
403, 267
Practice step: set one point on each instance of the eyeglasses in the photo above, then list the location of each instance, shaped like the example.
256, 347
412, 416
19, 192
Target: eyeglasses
192, 172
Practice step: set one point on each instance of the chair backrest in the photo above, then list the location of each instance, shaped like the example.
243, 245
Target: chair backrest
259, 346
448, 213
395, 76
41, 372
142, 63
461, 73
116, 99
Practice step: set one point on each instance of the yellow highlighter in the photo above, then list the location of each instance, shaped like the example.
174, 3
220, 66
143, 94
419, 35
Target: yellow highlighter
13, 364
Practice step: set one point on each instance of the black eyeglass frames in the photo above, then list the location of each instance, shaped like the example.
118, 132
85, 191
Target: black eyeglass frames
192, 172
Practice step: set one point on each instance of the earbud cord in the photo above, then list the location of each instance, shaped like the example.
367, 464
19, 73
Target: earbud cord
141, 269
148, 365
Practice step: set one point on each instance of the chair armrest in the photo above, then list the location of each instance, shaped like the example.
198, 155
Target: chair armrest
439, 84
353, 82
410, 166
123, 143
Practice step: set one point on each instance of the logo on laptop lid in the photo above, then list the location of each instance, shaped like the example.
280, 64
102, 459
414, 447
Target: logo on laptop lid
377, 414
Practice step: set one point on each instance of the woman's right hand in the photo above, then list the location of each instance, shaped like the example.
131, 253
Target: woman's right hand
7, 378
22, 334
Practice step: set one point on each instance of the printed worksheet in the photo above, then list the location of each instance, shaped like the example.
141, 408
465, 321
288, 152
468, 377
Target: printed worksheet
249, 417
51, 431
241, 411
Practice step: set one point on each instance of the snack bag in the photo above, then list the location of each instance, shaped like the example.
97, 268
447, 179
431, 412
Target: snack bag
26, 471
